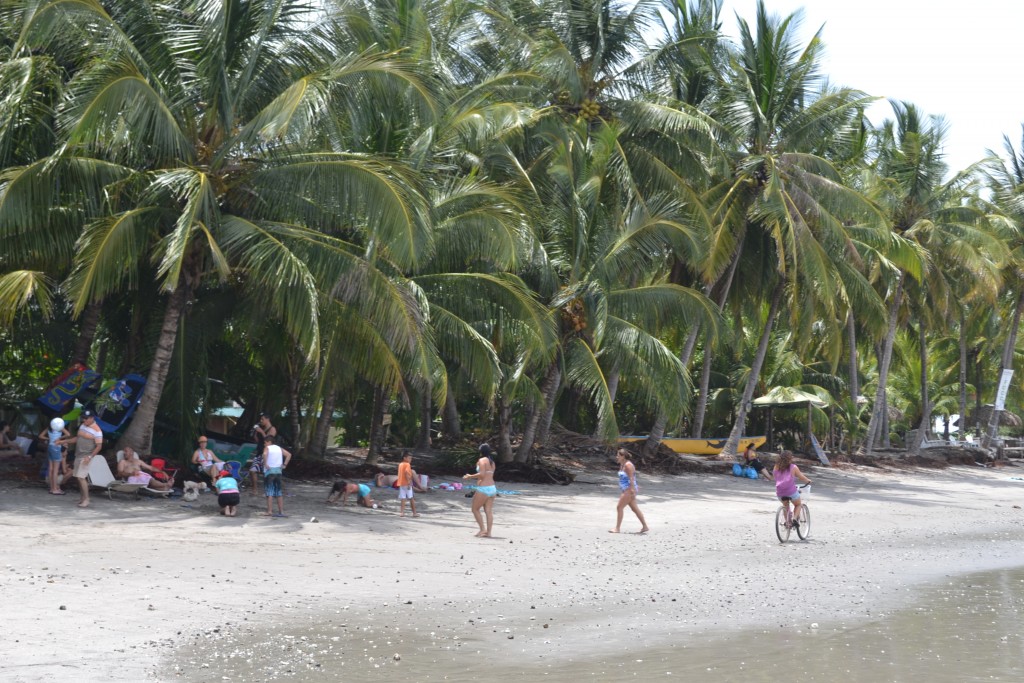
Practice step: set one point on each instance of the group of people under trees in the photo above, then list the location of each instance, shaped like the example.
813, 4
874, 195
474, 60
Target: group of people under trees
270, 460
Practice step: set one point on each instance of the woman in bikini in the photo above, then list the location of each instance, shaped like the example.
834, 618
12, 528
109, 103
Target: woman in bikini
206, 460
628, 490
486, 491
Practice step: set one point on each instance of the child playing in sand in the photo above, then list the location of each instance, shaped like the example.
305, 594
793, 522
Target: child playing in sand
344, 488
406, 476
228, 496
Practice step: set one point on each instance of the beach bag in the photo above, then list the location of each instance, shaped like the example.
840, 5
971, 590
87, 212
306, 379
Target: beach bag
750, 472
737, 470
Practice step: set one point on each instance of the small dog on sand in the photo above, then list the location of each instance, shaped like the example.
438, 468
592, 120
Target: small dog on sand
192, 490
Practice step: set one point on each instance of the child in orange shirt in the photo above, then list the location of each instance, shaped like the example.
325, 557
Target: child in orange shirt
406, 475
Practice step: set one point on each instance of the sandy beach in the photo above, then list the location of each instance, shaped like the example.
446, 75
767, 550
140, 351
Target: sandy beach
162, 590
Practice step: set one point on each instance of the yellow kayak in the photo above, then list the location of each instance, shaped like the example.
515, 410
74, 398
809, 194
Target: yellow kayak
701, 446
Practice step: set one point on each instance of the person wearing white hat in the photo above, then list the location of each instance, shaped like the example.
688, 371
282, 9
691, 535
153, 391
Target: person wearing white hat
55, 437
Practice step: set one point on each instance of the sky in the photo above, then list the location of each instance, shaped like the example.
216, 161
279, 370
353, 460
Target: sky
961, 61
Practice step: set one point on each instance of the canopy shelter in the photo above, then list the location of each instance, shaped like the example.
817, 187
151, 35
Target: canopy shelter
789, 397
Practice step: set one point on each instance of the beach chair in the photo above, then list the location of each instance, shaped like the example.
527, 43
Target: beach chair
234, 467
159, 464
100, 477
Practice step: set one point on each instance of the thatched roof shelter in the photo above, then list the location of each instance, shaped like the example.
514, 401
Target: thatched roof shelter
1006, 418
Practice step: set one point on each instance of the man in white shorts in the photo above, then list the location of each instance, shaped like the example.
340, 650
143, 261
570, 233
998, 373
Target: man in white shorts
406, 476
89, 443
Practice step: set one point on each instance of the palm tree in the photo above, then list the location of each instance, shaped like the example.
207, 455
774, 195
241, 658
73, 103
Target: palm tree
601, 266
473, 185
199, 131
949, 235
593, 80
783, 208
1005, 179
35, 253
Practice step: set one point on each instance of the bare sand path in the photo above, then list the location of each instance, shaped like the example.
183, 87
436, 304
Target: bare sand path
163, 590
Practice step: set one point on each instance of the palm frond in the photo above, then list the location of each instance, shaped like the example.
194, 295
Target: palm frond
21, 288
584, 372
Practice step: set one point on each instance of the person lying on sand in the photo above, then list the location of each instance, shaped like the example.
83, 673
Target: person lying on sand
390, 481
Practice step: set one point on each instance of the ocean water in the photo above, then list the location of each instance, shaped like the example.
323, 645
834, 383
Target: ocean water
966, 628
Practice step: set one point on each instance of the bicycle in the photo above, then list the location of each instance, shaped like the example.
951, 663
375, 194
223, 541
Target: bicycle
784, 524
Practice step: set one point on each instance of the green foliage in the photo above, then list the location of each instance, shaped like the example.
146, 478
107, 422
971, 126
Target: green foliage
435, 196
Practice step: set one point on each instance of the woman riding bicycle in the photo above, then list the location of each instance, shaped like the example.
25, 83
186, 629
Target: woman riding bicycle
786, 474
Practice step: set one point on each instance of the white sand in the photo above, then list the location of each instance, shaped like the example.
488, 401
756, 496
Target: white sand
153, 590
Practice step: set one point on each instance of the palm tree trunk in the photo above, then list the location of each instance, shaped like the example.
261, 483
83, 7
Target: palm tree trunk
886, 422
504, 409
101, 357
926, 409
451, 425
1007, 364
851, 338
322, 431
705, 388
657, 432
962, 379
426, 419
658, 429
130, 352
740, 425
978, 380
246, 420
294, 407
879, 408
90, 321
613, 389
548, 388
139, 434
544, 428
380, 405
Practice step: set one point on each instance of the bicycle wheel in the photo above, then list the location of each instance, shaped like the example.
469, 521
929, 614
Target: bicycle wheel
781, 530
803, 530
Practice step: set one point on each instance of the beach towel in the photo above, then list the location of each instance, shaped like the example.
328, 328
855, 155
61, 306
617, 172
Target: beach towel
115, 405
77, 382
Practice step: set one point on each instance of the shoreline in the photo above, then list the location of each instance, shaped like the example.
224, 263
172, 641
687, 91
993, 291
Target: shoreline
155, 590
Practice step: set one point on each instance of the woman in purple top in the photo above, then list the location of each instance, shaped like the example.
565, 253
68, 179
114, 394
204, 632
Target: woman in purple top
786, 474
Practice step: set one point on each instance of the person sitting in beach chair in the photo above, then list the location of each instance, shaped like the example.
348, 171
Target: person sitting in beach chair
134, 470
205, 462
390, 481
8, 446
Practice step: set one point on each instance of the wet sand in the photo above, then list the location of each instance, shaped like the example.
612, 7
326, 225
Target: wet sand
154, 590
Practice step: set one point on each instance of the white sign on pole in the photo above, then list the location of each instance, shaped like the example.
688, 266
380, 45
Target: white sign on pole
1004, 387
